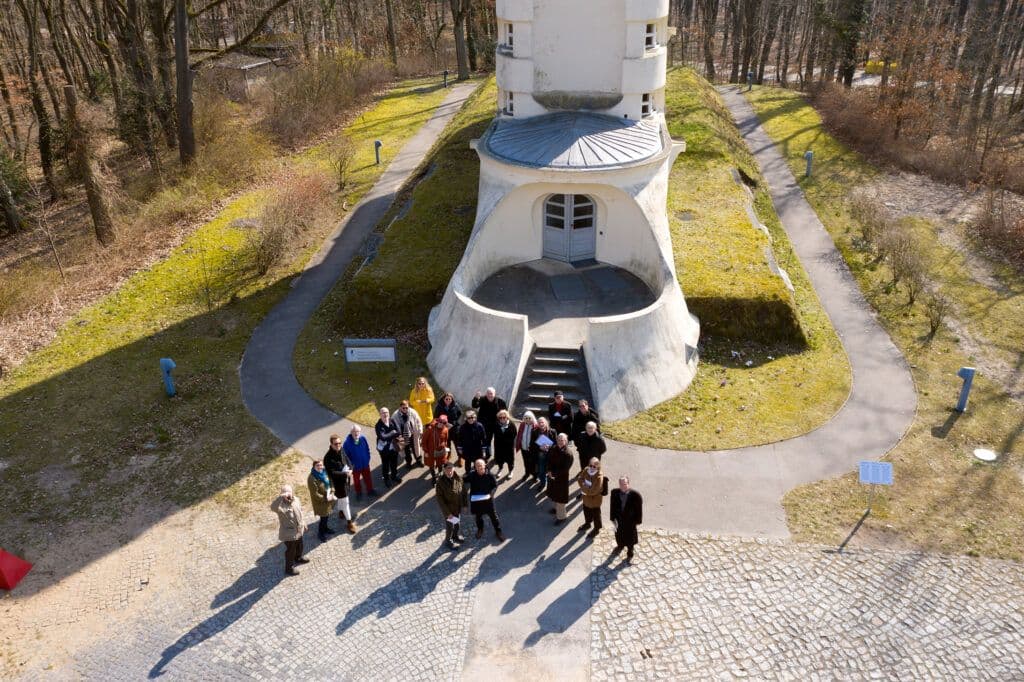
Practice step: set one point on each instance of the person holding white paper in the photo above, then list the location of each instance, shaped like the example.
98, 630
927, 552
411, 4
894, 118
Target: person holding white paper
541, 439
451, 498
559, 463
481, 486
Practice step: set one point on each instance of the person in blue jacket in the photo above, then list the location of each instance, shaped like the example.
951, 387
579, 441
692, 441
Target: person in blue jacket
358, 450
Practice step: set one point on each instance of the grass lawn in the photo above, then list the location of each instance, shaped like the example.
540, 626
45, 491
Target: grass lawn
88, 434
943, 499
424, 235
721, 264
792, 386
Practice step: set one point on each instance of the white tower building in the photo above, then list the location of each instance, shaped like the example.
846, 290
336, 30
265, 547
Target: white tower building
573, 181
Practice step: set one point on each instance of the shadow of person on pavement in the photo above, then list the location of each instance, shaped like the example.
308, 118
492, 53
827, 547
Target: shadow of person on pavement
531, 584
561, 613
238, 599
410, 587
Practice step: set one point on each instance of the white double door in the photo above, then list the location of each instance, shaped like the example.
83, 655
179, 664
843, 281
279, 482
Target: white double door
570, 227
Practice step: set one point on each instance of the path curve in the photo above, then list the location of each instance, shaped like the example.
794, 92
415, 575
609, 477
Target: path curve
724, 492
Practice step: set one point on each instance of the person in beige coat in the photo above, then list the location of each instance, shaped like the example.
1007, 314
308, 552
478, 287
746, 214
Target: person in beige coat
593, 488
292, 527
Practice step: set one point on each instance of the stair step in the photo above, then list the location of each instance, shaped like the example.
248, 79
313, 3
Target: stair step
555, 371
549, 370
550, 384
556, 359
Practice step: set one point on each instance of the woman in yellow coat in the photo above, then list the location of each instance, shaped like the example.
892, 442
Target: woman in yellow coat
421, 398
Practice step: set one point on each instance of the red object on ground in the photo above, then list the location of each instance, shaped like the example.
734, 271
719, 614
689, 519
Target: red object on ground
12, 570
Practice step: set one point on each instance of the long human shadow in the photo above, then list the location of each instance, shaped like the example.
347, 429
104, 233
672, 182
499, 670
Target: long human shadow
572, 604
410, 587
529, 585
238, 598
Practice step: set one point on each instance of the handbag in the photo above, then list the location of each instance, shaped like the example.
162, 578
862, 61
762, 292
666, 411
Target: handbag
604, 486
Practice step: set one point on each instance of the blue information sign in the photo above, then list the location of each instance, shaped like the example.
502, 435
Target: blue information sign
876, 472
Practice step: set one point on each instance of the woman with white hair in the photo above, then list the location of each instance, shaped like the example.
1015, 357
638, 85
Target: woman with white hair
523, 442
291, 529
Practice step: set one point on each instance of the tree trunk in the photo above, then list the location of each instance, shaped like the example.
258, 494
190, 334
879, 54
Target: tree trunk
186, 132
458, 29
5, 93
11, 217
88, 169
163, 68
389, 10
470, 35
36, 97
734, 73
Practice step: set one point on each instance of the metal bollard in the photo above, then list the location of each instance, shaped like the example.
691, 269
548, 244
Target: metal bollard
750, 81
809, 155
446, 78
967, 374
377, 144
166, 365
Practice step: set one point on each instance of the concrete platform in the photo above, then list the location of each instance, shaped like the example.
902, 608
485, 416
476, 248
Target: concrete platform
558, 298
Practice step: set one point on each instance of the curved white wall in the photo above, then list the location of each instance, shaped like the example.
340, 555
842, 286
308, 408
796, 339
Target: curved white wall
646, 10
514, 73
578, 45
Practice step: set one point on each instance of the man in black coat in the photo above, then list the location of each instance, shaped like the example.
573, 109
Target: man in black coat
590, 444
560, 415
472, 442
487, 408
584, 414
627, 512
480, 486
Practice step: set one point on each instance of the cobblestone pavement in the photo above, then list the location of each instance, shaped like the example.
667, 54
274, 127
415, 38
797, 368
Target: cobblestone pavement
699, 608
388, 604
383, 604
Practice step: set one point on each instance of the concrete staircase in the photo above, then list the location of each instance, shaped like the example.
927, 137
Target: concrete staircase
549, 370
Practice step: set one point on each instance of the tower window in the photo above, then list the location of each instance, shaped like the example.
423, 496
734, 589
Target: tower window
510, 107
509, 38
650, 37
646, 105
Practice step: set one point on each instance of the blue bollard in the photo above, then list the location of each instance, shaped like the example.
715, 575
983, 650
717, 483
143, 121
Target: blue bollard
377, 144
967, 374
166, 365
446, 78
809, 155
750, 81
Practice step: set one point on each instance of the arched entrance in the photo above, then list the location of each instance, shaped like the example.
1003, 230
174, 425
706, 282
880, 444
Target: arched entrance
570, 227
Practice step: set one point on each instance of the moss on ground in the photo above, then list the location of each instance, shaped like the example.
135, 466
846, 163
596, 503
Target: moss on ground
392, 295
799, 375
86, 431
787, 388
943, 499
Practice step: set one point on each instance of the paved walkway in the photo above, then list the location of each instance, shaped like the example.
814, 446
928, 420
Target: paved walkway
732, 492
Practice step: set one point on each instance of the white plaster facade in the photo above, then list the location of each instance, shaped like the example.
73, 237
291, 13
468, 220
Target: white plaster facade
599, 57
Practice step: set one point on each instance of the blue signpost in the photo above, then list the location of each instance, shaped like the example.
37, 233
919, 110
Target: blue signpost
166, 365
967, 374
446, 78
377, 144
809, 157
871, 473
750, 81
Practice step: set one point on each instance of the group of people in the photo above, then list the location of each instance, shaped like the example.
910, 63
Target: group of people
439, 436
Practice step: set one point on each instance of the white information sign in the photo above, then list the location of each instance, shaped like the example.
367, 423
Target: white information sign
370, 350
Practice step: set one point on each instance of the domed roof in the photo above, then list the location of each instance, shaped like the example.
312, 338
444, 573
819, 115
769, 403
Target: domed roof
574, 140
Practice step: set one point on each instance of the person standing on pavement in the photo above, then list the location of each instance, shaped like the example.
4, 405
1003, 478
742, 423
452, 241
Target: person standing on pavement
488, 406
505, 444
584, 413
339, 468
480, 486
627, 512
590, 444
523, 442
411, 429
290, 529
593, 486
435, 446
358, 450
449, 408
472, 443
560, 414
321, 492
558, 466
387, 445
542, 439
451, 498
421, 397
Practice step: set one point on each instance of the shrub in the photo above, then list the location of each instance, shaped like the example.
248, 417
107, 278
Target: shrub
936, 307
288, 216
340, 155
14, 174
302, 102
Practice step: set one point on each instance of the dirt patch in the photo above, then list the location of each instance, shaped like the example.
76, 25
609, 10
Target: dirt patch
57, 480
952, 210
